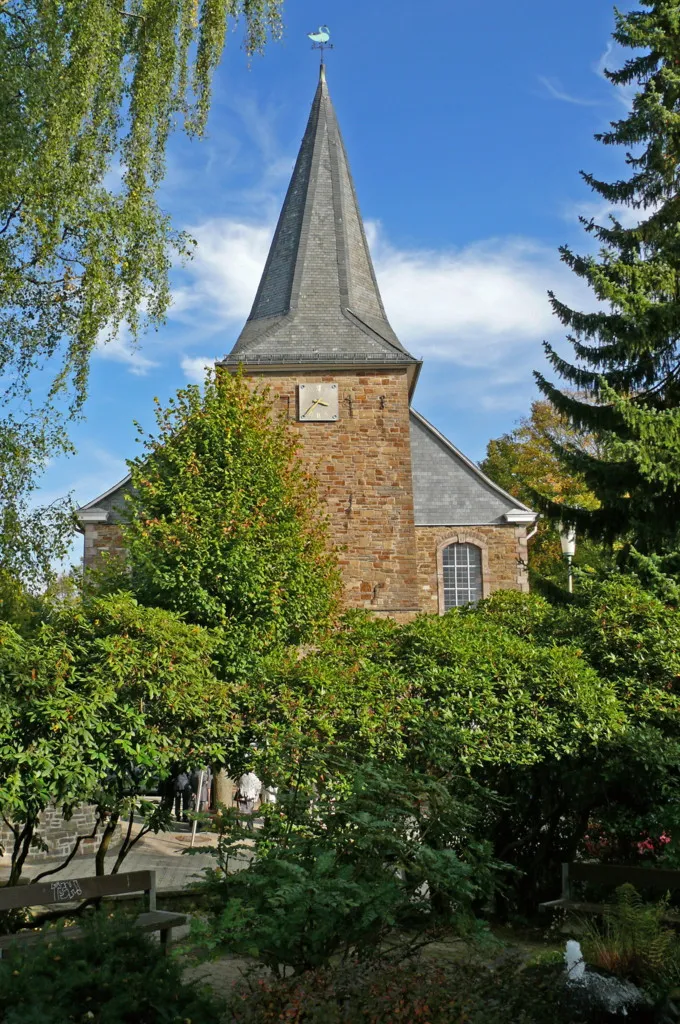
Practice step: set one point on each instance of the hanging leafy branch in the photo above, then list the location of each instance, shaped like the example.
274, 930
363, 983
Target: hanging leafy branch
90, 88
90, 91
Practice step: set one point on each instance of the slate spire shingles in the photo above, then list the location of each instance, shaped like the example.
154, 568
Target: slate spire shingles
318, 299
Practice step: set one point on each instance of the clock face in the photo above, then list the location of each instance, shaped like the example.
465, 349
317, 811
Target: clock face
317, 402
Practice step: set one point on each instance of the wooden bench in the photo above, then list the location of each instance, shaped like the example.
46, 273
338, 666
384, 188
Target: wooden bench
660, 880
63, 892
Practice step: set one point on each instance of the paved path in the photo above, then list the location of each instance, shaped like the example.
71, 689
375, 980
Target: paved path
162, 853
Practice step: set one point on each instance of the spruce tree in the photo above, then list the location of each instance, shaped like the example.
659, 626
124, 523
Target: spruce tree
627, 368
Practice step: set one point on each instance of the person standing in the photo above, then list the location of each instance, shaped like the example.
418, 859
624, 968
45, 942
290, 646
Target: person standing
247, 793
182, 790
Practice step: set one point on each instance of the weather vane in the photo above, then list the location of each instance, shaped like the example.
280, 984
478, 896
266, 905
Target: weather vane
321, 40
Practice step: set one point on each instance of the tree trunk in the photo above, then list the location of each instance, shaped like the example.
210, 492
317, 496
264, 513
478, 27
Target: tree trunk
22, 847
223, 788
107, 836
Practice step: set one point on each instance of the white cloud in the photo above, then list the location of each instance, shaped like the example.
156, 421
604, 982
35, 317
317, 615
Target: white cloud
195, 367
225, 271
612, 58
554, 89
600, 211
476, 306
121, 349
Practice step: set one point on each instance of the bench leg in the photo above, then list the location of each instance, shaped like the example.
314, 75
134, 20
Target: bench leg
166, 939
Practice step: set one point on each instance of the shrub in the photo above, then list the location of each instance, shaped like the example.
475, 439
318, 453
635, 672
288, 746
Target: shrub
349, 873
96, 701
114, 974
486, 695
406, 993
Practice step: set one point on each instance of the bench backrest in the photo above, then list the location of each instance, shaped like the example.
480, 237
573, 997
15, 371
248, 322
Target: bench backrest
71, 890
659, 879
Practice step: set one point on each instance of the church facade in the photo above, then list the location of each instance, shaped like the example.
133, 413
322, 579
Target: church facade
417, 526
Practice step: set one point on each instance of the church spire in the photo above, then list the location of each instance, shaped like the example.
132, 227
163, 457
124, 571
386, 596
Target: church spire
318, 299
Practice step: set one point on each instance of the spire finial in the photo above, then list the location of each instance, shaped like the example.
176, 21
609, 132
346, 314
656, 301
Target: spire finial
321, 41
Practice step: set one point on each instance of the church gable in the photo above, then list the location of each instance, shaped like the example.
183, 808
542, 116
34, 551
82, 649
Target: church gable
449, 490
99, 522
108, 506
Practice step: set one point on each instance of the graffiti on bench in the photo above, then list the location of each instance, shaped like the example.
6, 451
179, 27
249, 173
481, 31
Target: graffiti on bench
66, 890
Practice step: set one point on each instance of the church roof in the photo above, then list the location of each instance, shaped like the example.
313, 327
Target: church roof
318, 300
448, 488
451, 490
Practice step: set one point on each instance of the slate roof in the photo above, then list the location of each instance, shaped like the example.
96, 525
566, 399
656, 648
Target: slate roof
448, 488
318, 303
111, 502
318, 299
451, 490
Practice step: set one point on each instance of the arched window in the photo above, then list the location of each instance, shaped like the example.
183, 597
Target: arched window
462, 565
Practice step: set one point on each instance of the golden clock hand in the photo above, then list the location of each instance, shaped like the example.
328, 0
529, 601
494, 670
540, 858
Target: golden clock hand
317, 401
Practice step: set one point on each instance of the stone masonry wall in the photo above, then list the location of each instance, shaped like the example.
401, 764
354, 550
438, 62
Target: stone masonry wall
504, 559
100, 537
60, 835
363, 464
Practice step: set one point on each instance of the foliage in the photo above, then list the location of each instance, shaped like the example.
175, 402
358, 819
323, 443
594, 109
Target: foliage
486, 696
338, 871
633, 638
224, 524
90, 92
18, 604
400, 993
305, 716
525, 462
31, 536
442, 694
632, 942
626, 369
94, 703
485, 700
548, 812
628, 633
113, 973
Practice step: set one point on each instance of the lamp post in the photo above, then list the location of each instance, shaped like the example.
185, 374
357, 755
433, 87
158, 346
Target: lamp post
568, 543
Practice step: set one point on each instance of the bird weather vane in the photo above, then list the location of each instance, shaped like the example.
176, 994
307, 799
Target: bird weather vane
321, 40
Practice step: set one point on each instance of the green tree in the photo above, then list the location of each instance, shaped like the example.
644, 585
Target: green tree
89, 88
621, 789
473, 700
32, 537
526, 463
628, 369
97, 702
224, 524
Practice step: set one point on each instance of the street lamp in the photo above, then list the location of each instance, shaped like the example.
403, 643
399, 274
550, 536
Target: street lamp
568, 543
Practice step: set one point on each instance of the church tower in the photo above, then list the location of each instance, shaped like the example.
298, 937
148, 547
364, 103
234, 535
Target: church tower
417, 525
319, 337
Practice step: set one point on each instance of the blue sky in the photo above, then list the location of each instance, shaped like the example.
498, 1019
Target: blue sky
466, 125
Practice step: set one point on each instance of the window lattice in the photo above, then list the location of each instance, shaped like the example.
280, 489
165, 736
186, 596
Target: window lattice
462, 575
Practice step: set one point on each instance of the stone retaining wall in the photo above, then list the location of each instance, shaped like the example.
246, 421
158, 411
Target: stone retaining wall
59, 835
